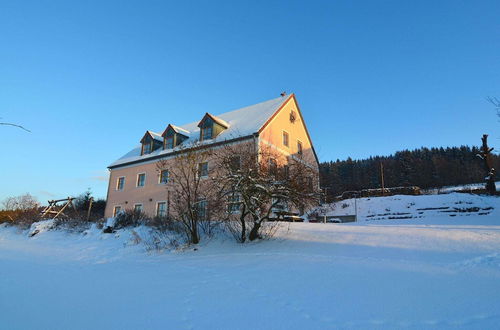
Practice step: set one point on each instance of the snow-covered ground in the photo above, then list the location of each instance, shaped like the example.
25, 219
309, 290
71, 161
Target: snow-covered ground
438, 271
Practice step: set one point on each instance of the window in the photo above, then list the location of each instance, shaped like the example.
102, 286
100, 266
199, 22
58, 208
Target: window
161, 209
141, 179
146, 148
120, 183
169, 142
285, 139
299, 147
235, 163
206, 133
286, 171
233, 204
203, 169
273, 166
117, 210
202, 209
280, 205
310, 183
163, 176
138, 208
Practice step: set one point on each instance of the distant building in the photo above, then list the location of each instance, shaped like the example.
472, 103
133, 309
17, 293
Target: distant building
135, 182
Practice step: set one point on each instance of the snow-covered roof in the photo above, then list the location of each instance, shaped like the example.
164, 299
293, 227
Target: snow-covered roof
180, 130
241, 122
153, 135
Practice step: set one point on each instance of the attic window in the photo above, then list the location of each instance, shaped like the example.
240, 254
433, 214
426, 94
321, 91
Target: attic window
146, 147
206, 133
169, 142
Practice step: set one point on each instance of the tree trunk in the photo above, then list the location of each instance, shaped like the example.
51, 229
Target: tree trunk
254, 233
488, 165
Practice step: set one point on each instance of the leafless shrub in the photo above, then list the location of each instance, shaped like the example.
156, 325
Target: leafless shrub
130, 218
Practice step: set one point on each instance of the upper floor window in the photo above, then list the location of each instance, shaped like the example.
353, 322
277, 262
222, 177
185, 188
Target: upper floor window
206, 133
299, 147
285, 139
163, 176
169, 142
141, 179
203, 169
120, 183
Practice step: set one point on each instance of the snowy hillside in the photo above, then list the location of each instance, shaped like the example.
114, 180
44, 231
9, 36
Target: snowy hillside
401, 207
435, 271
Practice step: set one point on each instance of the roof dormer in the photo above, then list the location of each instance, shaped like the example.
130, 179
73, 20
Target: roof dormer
151, 141
173, 136
211, 126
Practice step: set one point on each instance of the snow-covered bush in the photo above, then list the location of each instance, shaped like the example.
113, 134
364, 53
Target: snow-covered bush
130, 218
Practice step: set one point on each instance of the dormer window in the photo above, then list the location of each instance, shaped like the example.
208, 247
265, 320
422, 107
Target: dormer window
146, 148
169, 142
211, 126
206, 133
150, 142
173, 136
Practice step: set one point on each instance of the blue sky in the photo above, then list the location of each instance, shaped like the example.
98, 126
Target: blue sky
88, 78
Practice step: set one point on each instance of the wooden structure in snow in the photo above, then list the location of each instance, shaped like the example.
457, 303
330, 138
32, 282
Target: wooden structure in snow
57, 210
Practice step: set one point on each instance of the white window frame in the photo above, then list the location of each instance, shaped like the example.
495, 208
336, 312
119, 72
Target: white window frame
166, 208
137, 180
199, 170
159, 177
142, 206
118, 182
114, 210
231, 203
287, 138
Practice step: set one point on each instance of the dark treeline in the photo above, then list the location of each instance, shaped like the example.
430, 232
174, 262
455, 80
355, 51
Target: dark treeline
424, 167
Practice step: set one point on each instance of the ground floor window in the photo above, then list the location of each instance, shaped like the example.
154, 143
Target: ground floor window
138, 208
117, 210
201, 208
161, 209
234, 203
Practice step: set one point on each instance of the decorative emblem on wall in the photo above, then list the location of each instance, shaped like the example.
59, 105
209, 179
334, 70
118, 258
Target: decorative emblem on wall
293, 117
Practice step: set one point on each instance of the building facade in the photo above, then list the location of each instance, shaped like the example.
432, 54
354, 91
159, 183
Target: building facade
135, 182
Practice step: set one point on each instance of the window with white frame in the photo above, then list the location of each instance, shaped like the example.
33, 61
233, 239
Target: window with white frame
234, 203
117, 210
138, 208
201, 208
299, 147
203, 169
141, 179
161, 209
163, 177
120, 183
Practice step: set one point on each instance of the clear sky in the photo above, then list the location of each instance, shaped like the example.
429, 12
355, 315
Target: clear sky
88, 78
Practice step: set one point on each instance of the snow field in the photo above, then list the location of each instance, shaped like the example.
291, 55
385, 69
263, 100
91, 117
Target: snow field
438, 271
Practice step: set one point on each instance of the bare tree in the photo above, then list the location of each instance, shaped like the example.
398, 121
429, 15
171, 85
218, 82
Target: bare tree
194, 199
485, 155
14, 125
264, 184
496, 103
22, 203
